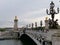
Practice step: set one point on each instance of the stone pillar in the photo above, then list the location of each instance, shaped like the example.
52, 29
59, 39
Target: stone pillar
15, 23
46, 23
56, 39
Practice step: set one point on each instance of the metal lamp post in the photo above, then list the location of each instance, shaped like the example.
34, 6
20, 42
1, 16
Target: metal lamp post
41, 23
32, 26
52, 12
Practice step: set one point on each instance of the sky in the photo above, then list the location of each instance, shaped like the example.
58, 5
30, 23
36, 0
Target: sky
27, 11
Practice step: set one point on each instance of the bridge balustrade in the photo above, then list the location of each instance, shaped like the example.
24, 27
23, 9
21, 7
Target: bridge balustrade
38, 35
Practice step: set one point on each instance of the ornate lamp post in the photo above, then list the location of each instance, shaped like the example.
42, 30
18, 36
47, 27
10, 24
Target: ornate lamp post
29, 25
41, 23
26, 26
36, 24
52, 12
32, 26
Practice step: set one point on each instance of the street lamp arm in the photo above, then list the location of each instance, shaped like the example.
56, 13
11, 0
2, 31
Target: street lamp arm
57, 11
47, 12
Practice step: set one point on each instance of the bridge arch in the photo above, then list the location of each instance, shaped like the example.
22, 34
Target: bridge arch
26, 40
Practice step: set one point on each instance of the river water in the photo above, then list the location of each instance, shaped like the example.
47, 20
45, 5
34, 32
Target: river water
10, 42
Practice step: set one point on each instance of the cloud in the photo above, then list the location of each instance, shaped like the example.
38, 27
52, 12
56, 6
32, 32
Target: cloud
34, 16
28, 11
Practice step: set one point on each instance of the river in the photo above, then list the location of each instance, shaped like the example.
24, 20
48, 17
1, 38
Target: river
10, 42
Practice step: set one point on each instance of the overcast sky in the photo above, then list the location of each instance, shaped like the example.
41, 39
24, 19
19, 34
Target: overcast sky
27, 11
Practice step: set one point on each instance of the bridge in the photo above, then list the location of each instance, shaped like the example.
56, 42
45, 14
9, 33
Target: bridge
28, 35
35, 37
39, 37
